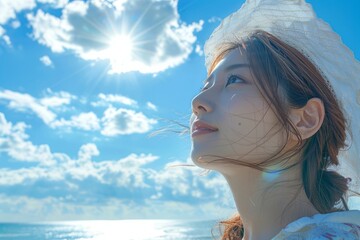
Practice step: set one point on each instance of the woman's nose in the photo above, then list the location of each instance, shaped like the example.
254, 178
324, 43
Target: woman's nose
200, 105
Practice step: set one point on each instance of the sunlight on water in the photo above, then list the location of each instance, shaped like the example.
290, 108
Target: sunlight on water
109, 230
127, 230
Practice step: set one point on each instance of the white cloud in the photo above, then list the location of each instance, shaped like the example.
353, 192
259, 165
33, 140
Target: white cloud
178, 179
46, 61
15, 24
50, 31
125, 172
2, 31
87, 151
6, 39
14, 142
55, 100
26, 175
85, 121
9, 8
128, 172
214, 19
55, 209
5, 126
151, 106
25, 102
125, 121
106, 99
43, 107
114, 121
159, 40
198, 50
58, 179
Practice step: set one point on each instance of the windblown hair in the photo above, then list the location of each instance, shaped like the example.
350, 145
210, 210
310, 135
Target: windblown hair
280, 68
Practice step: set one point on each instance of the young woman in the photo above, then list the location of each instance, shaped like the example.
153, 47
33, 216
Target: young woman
278, 117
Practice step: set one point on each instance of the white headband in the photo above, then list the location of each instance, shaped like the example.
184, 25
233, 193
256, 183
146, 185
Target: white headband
295, 23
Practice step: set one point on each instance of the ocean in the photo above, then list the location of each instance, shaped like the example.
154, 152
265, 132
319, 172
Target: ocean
110, 230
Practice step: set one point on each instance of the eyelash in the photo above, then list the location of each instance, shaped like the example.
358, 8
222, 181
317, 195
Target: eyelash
227, 82
231, 76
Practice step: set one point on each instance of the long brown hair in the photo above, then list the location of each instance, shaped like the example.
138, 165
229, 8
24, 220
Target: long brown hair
280, 68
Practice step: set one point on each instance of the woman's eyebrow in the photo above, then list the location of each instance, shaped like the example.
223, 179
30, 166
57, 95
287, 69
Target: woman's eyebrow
238, 65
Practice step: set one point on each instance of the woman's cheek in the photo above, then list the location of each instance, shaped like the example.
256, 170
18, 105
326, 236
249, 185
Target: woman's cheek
243, 115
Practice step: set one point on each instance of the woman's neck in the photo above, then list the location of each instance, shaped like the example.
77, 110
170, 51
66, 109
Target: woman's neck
267, 202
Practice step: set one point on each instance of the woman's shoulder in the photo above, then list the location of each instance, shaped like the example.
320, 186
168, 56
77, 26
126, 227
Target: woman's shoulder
336, 225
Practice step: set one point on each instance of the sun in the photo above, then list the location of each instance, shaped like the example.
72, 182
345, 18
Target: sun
121, 47
120, 52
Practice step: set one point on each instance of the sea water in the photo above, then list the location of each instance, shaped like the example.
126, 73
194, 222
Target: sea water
111, 230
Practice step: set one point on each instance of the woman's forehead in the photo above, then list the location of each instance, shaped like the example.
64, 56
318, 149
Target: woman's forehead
234, 56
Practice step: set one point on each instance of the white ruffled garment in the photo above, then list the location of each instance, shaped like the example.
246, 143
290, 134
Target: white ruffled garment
330, 226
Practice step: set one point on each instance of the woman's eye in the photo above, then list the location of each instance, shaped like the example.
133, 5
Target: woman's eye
234, 79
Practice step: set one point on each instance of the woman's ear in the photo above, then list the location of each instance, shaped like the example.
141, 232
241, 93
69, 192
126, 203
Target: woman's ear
308, 119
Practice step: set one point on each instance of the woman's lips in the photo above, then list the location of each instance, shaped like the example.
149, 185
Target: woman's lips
200, 128
201, 131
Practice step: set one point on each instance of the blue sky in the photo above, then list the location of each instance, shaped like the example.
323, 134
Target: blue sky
77, 109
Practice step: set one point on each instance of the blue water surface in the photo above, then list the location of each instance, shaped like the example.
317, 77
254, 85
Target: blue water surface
111, 230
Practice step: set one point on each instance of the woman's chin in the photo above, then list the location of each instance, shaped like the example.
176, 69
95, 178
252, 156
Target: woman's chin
202, 161
207, 162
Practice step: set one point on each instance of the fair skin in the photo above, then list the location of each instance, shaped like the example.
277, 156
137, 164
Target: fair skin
244, 128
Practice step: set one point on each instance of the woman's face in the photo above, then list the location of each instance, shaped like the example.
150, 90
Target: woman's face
231, 119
